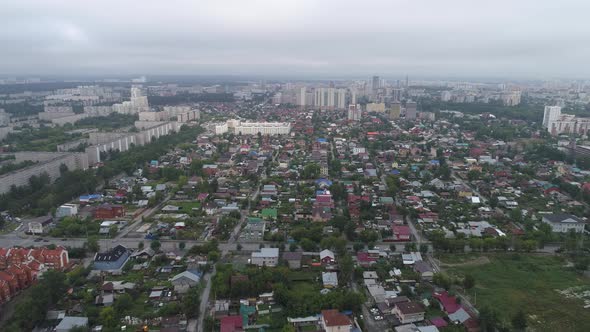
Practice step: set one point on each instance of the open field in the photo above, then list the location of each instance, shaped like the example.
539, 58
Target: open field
510, 282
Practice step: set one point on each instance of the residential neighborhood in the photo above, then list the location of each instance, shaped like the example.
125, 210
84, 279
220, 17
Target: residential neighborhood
262, 215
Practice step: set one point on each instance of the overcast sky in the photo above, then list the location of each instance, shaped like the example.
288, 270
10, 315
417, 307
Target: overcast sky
463, 38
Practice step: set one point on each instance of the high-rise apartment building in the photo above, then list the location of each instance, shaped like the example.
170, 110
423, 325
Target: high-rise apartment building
551, 114
354, 112
445, 96
395, 110
411, 110
301, 96
330, 98
376, 83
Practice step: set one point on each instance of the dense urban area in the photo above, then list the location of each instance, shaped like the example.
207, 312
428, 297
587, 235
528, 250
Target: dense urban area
155, 204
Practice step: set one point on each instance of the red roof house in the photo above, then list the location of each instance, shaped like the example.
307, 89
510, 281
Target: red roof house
231, 324
401, 232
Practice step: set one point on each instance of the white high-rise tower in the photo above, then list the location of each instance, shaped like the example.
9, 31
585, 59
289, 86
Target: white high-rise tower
551, 114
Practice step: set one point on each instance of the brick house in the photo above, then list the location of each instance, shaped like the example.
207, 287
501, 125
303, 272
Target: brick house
20, 267
108, 211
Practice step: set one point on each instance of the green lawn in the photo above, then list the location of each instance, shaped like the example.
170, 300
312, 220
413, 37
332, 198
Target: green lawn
186, 206
516, 281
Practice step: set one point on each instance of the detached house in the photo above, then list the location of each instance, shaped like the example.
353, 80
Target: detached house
112, 260
563, 223
265, 257
333, 321
409, 312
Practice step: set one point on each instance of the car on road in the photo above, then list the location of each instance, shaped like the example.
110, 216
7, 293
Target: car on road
38, 239
378, 317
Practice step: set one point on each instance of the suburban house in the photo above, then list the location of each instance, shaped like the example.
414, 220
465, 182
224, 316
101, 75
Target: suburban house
185, 280
293, 259
66, 210
327, 256
563, 223
447, 302
265, 257
112, 260
333, 321
424, 269
108, 211
330, 279
409, 312
401, 232
70, 322
231, 324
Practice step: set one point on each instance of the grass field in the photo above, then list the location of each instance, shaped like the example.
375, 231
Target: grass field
510, 282
187, 205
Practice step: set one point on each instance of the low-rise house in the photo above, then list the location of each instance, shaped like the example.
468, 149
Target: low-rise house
111, 260
401, 232
185, 280
293, 259
330, 279
327, 256
105, 300
66, 210
424, 269
232, 324
333, 321
447, 303
69, 322
364, 259
108, 211
409, 312
563, 223
265, 257
460, 316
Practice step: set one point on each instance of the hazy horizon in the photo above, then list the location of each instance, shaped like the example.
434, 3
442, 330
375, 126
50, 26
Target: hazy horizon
301, 39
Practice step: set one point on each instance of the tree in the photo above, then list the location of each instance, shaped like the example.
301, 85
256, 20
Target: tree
468, 281
423, 248
113, 231
92, 244
488, 320
346, 267
442, 279
292, 247
182, 245
392, 247
140, 245
519, 321
107, 317
191, 303
289, 328
155, 245
239, 247
410, 247
307, 245
358, 246
124, 302
406, 291
473, 175
213, 256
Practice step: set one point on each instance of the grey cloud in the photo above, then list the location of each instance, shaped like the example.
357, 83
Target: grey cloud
332, 37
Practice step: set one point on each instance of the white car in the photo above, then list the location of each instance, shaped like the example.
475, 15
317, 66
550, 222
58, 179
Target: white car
378, 317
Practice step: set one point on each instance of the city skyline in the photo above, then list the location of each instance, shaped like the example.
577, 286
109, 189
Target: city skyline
297, 39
